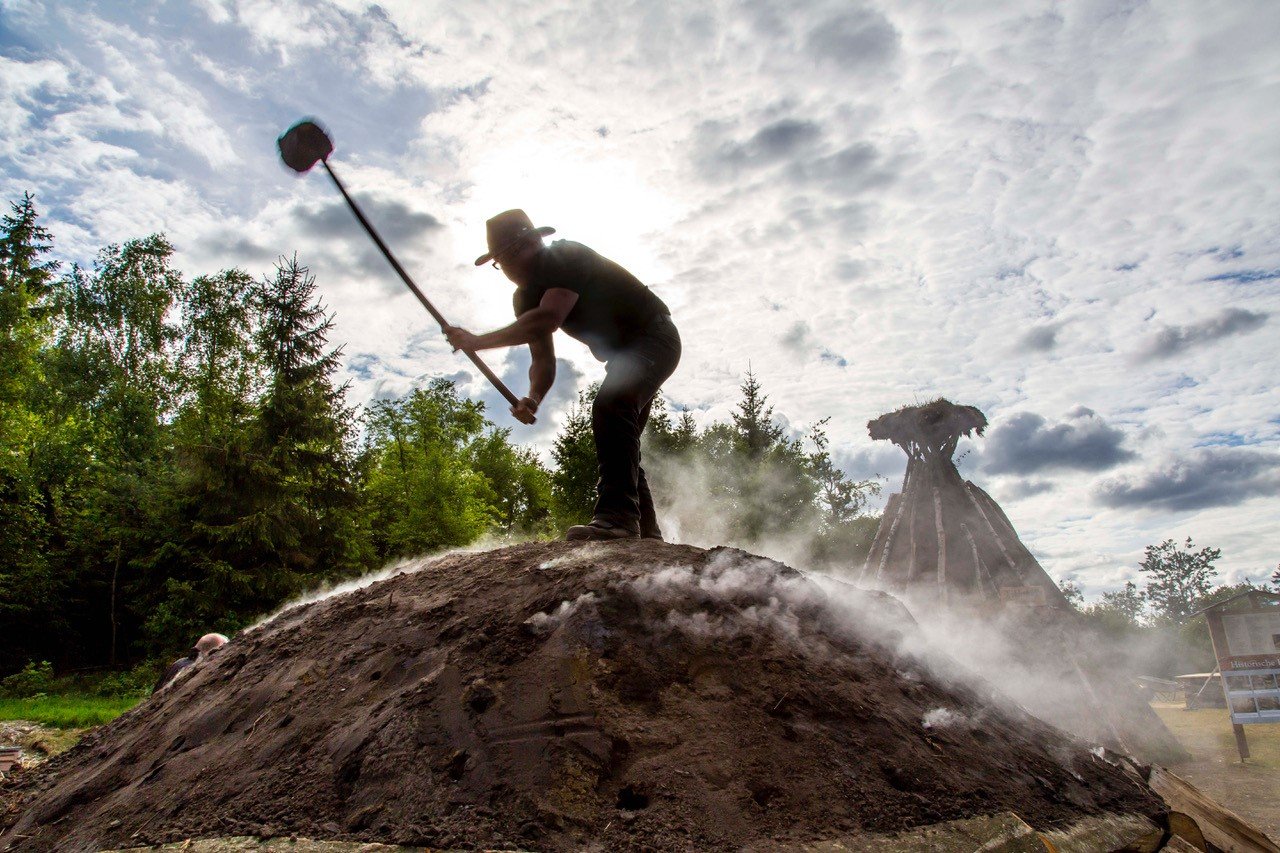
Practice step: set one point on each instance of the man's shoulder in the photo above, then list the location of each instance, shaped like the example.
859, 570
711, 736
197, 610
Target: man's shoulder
565, 264
566, 256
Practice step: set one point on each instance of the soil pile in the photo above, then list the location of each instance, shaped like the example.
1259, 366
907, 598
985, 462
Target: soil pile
547, 696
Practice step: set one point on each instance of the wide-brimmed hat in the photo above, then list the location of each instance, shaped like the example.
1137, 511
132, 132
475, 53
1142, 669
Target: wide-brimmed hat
507, 229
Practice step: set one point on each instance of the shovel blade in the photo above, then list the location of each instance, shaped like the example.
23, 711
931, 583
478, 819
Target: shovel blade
304, 145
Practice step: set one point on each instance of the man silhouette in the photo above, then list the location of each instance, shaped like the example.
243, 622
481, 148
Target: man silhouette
568, 286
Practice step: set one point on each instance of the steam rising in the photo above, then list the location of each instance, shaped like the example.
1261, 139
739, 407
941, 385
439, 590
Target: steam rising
942, 718
407, 566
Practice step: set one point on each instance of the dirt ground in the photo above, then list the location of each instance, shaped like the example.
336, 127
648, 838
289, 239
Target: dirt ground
547, 696
1250, 789
39, 743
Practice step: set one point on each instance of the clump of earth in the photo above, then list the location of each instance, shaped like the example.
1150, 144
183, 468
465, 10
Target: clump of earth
550, 696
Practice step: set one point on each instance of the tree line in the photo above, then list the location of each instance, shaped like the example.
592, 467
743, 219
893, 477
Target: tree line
176, 457
1158, 621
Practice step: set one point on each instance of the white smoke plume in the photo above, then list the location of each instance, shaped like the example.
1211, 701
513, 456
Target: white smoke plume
943, 718
543, 623
695, 508
406, 566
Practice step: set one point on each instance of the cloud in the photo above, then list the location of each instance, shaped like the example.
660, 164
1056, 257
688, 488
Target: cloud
719, 156
394, 220
1172, 340
1039, 339
1197, 479
798, 338
856, 40
1026, 489
514, 372
1027, 442
1246, 276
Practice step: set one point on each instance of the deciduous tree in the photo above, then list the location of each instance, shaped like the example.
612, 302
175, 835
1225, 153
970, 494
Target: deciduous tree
1179, 577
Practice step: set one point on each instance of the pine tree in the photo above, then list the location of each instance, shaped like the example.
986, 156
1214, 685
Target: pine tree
754, 420
573, 481
29, 588
306, 510
195, 583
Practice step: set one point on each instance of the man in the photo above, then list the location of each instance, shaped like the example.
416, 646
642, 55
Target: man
203, 646
568, 286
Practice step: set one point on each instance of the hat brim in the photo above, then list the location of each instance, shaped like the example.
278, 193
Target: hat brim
543, 231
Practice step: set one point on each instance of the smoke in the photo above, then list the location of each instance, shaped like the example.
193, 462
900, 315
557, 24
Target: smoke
1044, 663
544, 623
404, 566
757, 505
588, 551
821, 615
943, 718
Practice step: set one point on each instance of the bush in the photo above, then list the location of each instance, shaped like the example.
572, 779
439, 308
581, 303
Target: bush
135, 683
34, 679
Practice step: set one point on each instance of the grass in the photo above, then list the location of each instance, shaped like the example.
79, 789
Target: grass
1247, 788
1207, 732
67, 711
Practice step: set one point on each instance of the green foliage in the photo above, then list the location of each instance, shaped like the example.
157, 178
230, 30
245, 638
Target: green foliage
519, 486
1118, 613
134, 683
440, 475
573, 481
747, 482
176, 457
1179, 577
28, 586
1072, 593
35, 678
422, 492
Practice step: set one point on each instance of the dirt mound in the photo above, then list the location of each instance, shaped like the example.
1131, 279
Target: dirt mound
545, 696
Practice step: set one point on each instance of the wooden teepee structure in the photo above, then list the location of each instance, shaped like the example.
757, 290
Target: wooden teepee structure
944, 538
942, 530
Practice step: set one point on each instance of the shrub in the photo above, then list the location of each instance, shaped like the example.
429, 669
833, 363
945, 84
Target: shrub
34, 679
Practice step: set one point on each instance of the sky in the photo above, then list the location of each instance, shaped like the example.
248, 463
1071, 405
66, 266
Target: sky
1065, 214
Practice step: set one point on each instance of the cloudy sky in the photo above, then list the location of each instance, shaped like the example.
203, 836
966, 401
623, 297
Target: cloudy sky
1066, 214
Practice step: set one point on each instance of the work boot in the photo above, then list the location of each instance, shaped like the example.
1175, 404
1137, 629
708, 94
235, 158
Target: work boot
656, 535
598, 530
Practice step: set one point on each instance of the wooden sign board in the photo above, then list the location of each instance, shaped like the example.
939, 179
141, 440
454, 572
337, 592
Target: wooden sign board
1023, 596
1246, 643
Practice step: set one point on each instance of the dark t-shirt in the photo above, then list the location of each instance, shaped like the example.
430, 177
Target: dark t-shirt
613, 307
176, 667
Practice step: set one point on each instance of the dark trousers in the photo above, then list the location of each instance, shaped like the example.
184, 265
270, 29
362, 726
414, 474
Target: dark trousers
633, 377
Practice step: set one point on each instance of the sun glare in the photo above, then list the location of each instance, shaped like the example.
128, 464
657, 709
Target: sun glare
604, 203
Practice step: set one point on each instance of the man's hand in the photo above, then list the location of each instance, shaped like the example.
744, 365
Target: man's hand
525, 410
460, 339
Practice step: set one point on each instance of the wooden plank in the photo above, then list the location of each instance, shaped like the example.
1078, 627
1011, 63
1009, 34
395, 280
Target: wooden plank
942, 540
999, 833
882, 533
1221, 827
1131, 832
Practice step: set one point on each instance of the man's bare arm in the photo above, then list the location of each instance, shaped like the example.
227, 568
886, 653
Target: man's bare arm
542, 369
535, 323
542, 374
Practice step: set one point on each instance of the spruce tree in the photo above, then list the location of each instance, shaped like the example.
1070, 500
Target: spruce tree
573, 481
29, 586
305, 523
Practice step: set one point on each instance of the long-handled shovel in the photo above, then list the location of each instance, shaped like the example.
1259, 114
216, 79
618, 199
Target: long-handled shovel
305, 144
